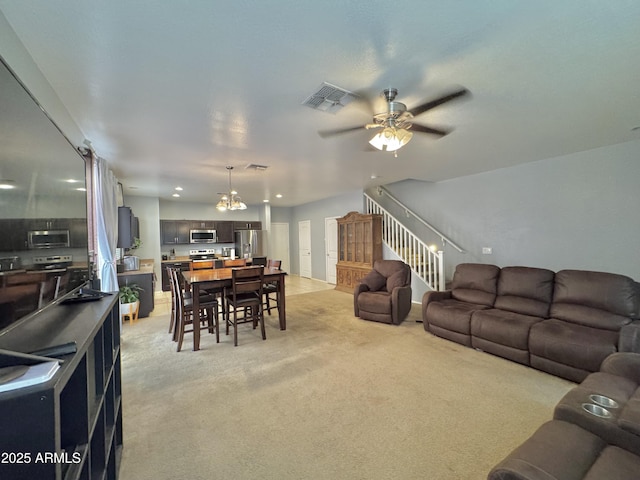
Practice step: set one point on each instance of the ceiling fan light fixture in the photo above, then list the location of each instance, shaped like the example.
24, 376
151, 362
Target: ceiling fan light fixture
391, 139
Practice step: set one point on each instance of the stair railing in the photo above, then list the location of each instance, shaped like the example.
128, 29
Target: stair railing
425, 262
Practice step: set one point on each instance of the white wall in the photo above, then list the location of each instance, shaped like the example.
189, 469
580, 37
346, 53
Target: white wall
577, 211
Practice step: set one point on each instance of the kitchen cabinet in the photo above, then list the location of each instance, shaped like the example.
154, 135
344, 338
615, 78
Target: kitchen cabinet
247, 225
47, 223
203, 224
75, 416
224, 231
146, 283
359, 246
78, 234
182, 266
175, 232
14, 235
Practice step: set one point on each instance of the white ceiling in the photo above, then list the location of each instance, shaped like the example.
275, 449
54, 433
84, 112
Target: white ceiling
172, 92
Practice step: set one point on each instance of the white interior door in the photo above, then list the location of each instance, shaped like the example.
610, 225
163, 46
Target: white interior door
279, 244
304, 247
331, 247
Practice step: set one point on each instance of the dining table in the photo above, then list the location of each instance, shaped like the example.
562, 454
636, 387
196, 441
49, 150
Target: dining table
215, 278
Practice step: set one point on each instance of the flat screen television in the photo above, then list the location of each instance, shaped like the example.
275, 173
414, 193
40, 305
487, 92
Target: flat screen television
44, 253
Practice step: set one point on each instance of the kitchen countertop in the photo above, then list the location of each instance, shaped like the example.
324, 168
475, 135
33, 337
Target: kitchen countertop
178, 258
146, 267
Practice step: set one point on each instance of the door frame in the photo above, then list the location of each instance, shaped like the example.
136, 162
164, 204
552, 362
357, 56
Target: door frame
328, 262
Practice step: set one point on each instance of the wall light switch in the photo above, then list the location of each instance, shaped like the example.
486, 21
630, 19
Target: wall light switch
486, 251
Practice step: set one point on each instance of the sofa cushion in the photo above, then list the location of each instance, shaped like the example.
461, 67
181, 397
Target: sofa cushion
475, 283
398, 279
572, 344
389, 267
452, 315
630, 415
506, 328
525, 290
374, 280
614, 463
375, 302
595, 299
556, 451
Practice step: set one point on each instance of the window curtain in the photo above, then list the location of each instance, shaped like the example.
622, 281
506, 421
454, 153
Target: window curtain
106, 218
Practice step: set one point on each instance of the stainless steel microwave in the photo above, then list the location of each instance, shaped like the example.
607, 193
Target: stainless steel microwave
48, 238
202, 236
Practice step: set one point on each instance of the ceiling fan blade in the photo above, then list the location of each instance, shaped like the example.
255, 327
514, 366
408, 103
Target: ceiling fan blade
339, 131
434, 131
415, 111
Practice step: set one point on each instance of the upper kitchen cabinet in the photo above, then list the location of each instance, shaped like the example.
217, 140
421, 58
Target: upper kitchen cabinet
224, 231
174, 232
46, 224
78, 237
14, 234
203, 224
247, 225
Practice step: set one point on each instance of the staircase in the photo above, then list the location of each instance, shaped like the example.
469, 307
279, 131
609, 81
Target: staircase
427, 263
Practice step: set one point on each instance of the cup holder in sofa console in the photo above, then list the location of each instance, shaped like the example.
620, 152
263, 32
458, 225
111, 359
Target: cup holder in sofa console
596, 410
603, 401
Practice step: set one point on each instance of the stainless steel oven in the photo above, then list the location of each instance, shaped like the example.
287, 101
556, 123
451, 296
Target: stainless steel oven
48, 238
202, 236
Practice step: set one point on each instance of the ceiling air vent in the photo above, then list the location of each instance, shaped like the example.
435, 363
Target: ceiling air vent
255, 166
329, 98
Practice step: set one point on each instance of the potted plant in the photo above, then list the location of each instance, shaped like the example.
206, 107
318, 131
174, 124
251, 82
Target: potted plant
129, 299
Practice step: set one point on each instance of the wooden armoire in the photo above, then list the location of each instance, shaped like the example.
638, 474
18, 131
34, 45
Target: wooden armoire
359, 246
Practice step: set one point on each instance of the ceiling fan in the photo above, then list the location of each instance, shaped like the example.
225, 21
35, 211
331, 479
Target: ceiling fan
397, 122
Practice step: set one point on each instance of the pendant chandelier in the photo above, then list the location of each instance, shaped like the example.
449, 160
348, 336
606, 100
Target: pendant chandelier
230, 200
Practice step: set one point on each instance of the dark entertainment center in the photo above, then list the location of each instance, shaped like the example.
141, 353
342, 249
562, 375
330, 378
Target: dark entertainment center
69, 427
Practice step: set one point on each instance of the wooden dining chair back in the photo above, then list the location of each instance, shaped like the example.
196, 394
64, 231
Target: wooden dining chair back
271, 288
236, 262
245, 296
206, 318
259, 261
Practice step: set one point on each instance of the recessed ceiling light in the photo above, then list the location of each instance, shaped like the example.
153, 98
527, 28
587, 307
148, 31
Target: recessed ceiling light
179, 189
279, 195
71, 180
265, 200
7, 184
81, 189
175, 195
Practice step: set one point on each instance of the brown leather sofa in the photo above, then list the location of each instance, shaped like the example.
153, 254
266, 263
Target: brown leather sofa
578, 445
384, 294
565, 323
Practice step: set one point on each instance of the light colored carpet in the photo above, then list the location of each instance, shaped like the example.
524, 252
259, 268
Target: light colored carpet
332, 397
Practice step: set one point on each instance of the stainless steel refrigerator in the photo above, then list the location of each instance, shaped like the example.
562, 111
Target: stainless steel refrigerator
250, 243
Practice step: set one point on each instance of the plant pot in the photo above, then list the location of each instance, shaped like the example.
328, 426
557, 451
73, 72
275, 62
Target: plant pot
130, 310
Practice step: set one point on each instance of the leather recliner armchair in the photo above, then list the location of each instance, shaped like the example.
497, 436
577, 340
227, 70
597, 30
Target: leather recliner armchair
384, 294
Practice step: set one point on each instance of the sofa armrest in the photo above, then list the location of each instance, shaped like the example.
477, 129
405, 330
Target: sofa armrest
359, 288
629, 340
400, 303
623, 364
429, 297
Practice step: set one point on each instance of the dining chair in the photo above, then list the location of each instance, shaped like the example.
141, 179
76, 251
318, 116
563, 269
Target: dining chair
259, 261
271, 288
205, 319
245, 295
236, 262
